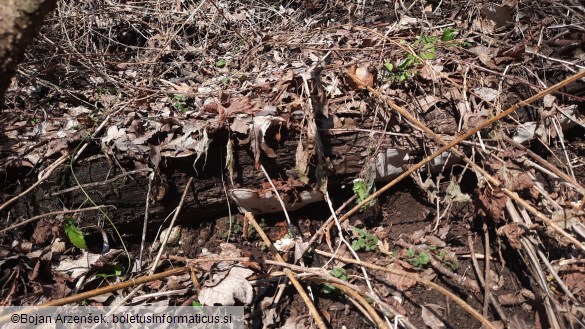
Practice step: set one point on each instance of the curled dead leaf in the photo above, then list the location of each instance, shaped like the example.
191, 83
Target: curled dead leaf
513, 232
492, 201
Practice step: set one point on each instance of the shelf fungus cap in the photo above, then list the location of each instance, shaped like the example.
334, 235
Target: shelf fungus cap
250, 200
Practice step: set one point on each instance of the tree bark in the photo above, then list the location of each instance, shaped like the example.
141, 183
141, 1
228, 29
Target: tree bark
20, 21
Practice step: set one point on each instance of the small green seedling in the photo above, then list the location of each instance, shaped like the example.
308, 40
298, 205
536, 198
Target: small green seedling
220, 63
362, 191
74, 233
180, 103
339, 273
420, 260
451, 264
363, 240
425, 49
235, 228
110, 270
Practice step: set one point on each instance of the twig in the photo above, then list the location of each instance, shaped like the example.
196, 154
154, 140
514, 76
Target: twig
368, 308
107, 181
45, 175
418, 279
464, 281
103, 290
450, 145
145, 222
318, 320
171, 225
320, 272
488, 290
282, 205
493, 300
62, 212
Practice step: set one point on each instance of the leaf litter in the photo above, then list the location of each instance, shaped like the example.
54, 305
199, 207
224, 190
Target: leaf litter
278, 88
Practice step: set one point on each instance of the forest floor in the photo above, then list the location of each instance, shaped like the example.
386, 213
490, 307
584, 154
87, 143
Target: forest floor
129, 117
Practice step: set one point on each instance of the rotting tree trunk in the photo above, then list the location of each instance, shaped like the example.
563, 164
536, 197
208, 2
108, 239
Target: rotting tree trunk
20, 21
347, 153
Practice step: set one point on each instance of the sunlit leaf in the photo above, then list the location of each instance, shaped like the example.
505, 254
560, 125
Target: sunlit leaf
74, 233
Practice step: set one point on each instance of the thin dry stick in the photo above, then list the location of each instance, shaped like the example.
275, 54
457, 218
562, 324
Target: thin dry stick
487, 291
547, 164
482, 282
322, 275
282, 205
162, 247
418, 279
290, 227
45, 175
103, 290
166, 238
450, 145
464, 281
145, 222
369, 309
289, 274
105, 182
62, 212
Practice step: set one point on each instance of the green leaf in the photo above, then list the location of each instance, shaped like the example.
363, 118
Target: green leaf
424, 258
410, 253
220, 63
357, 244
110, 270
74, 233
196, 304
429, 54
340, 273
429, 40
448, 35
389, 66
407, 62
328, 289
364, 240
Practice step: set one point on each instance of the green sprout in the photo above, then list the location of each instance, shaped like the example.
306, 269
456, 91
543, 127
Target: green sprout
363, 240
339, 273
180, 103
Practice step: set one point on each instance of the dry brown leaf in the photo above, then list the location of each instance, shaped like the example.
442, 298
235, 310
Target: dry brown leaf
513, 232
513, 177
233, 287
574, 277
401, 283
511, 299
430, 316
492, 201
